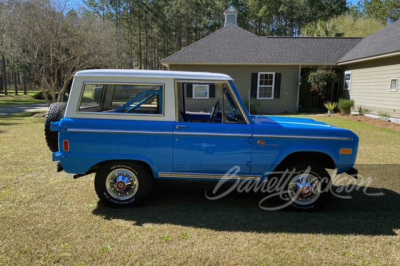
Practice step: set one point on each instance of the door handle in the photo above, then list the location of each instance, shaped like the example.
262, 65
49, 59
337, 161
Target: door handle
181, 126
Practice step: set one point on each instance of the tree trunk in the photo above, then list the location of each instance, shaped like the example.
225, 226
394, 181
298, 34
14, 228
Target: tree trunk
25, 86
140, 43
15, 82
4, 68
45, 97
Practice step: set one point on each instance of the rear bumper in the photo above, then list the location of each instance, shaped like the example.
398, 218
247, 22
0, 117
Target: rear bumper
59, 167
353, 172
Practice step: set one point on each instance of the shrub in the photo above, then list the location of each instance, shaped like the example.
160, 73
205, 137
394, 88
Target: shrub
363, 111
253, 109
39, 95
345, 106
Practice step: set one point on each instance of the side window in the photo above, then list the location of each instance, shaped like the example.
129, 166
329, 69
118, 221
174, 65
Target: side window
393, 85
347, 81
140, 99
91, 97
123, 98
207, 103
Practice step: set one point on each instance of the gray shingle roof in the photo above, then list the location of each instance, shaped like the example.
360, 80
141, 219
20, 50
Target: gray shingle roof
234, 45
385, 41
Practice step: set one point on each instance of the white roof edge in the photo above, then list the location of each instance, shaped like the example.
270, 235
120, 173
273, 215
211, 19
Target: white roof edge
151, 74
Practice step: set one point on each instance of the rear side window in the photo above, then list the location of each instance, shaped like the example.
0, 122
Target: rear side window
123, 98
91, 97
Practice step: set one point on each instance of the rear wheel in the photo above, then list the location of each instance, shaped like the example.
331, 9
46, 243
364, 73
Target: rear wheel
307, 186
123, 184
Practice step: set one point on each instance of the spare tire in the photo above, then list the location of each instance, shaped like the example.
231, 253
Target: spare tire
55, 113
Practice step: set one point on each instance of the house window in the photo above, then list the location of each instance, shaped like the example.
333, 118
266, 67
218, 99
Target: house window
347, 81
393, 84
265, 86
201, 91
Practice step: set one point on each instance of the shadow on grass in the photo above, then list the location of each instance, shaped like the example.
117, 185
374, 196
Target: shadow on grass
185, 204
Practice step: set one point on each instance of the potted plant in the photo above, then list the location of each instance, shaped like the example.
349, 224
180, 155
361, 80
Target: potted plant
330, 106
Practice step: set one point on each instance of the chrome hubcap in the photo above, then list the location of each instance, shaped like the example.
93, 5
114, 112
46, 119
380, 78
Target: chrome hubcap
122, 184
304, 189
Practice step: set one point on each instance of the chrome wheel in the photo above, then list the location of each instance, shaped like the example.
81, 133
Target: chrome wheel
304, 189
122, 184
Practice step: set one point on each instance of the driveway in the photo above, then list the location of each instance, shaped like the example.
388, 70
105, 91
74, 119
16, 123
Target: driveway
21, 109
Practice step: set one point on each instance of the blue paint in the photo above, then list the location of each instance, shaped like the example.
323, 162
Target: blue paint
195, 147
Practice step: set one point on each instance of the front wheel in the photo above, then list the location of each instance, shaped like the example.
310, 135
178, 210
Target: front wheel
307, 186
123, 184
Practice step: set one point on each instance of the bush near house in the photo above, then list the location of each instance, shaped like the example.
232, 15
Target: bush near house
345, 106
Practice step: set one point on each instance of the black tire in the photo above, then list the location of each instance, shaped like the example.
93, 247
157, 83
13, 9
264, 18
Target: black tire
55, 113
306, 186
123, 184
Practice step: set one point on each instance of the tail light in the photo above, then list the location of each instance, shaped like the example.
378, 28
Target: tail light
66, 145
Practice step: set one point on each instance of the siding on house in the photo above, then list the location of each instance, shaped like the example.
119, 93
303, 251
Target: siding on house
370, 86
242, 77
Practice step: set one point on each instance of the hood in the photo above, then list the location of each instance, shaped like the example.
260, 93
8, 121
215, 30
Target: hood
297, 127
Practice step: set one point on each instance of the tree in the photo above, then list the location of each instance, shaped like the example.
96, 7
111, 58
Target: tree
54, 44
320, 78
383, 10
343, 26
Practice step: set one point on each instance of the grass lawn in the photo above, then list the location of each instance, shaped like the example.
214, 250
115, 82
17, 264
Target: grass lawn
21, 99
49, 218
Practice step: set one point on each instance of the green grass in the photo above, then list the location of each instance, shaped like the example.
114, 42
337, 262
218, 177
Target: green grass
21, 99
49, 218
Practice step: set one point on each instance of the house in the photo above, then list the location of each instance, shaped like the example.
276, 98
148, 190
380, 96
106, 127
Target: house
266, 70
372, 73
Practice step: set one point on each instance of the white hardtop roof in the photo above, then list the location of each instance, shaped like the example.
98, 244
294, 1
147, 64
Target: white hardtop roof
151, 74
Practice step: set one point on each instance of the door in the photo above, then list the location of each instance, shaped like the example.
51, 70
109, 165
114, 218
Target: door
213, 141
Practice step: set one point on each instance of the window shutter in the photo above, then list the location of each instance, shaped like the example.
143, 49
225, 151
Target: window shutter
277, 87
212, 91
254, 84
189, 90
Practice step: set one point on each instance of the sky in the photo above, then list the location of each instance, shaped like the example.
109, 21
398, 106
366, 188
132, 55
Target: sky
79, 3
354, 2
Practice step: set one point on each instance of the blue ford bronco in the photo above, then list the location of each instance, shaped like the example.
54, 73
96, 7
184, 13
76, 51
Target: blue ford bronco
131, 127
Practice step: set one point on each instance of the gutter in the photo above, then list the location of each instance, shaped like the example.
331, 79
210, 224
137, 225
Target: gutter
368, 58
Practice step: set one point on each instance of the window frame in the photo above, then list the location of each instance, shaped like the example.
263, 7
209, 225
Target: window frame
265, 86
397, 84
79, 111
345, 81
180, 98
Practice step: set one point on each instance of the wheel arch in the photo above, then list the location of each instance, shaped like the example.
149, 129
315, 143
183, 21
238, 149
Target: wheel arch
326, 159
142, 163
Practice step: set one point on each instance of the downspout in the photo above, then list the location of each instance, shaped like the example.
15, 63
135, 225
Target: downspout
298, 88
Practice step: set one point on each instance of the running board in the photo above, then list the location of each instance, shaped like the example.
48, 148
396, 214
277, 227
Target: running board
209, 176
